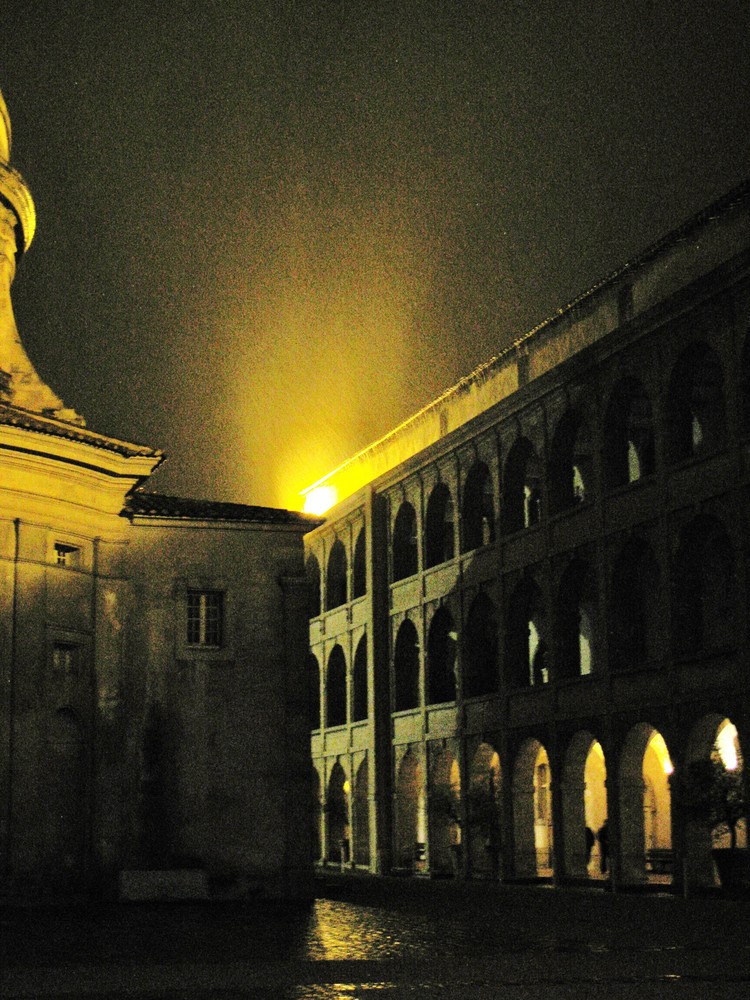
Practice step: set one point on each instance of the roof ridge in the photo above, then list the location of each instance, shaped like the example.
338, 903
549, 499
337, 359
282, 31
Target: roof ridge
145, 503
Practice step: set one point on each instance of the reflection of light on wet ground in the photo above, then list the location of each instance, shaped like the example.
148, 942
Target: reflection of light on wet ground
341, 930
344, 931
337, 991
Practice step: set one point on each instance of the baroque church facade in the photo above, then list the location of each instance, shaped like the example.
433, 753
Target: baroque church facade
529, 610
152, 654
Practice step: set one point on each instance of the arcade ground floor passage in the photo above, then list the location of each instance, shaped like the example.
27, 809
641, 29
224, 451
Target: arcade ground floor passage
457, 809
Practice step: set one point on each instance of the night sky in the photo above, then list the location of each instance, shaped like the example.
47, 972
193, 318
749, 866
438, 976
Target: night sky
269, 232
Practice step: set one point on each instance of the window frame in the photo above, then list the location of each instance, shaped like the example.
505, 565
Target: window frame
204, 630
185, 650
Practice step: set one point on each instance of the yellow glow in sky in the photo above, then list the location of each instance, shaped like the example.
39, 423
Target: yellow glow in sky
320, 499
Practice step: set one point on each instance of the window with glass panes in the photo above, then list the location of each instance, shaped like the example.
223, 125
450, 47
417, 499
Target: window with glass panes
204, 617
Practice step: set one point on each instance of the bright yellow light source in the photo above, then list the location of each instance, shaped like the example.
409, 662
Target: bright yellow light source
320, 499
726, 744
347, 786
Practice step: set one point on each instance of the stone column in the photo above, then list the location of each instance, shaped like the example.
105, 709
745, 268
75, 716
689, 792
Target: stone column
523, 823
632, 842
574, 827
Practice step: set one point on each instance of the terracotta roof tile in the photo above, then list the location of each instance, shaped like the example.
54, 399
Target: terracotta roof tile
144, 504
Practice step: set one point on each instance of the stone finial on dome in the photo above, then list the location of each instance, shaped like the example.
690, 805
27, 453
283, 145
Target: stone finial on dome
20, 385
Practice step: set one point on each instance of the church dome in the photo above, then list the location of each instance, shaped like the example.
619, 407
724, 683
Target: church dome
13, 189
4, 131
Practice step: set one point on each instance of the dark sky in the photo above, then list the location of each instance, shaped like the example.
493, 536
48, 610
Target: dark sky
269, 232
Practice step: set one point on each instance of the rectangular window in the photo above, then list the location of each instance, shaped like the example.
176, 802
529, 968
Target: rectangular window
66, 555
205, 612
66, 658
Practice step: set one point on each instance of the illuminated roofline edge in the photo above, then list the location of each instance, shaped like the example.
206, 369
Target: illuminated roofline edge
714, 212
19, 418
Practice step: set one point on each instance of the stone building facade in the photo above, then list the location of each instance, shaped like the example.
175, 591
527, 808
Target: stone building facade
529, 607
152, 654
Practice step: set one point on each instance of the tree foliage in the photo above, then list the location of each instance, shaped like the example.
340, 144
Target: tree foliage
710, 793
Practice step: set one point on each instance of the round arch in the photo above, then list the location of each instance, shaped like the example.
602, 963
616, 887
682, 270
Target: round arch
713, 758
441, 658
336, 582
337, 815
584, 805
410, 834
522, 488
405, 551
484, 812
406, 668
645, 803
532, 810
477, 509
336, 688
445, 814
439, 542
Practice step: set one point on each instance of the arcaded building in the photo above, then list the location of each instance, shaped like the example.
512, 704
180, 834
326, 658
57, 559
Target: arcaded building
153, 724
529, 607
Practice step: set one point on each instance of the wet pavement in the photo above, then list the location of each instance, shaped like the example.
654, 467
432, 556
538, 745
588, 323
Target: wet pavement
391, 938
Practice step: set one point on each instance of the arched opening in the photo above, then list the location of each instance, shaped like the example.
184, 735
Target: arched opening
439, 545
359, 567
636, 618
479, 662
405, 548
361, 816
410, 825
66, 800
584, 805
704, 588
522, 488
359, 682
313, 679
478, 511
445, 815
645, 806
316, 813
532, 811
575, 620
712, 787
695, 407
570, 465
484, 813
336, 577
336, 688
526, 658
312, 574
406, 668
441, 659
337, 816
628, 435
